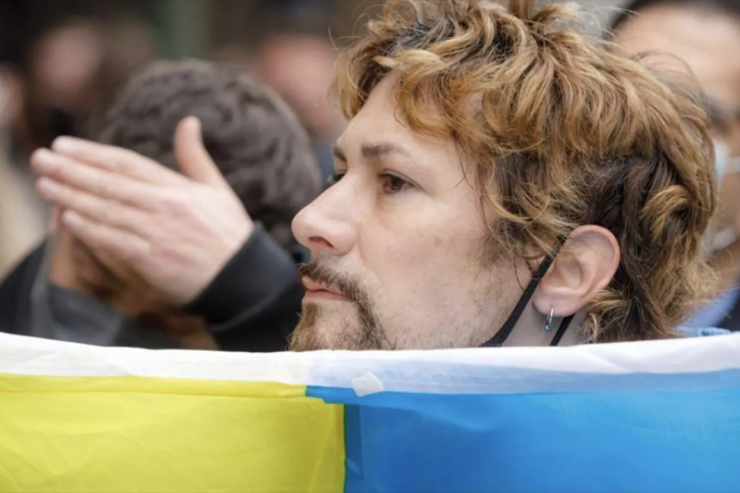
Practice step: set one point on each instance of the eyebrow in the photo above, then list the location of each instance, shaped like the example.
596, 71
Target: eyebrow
384, 148
371, 151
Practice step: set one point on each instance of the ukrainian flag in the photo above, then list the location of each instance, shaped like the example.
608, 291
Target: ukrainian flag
640, 417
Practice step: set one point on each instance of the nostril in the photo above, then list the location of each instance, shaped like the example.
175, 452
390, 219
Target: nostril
321, 241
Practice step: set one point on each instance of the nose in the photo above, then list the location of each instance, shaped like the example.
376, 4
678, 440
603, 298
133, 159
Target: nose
328, 225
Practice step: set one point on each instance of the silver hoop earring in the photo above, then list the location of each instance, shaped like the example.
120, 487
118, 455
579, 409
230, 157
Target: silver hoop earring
548, 324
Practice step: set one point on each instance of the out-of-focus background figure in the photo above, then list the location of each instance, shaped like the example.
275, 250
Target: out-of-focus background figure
703, 36
58, 60
299, 67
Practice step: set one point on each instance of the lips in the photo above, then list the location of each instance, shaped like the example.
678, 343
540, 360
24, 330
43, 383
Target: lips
316, 289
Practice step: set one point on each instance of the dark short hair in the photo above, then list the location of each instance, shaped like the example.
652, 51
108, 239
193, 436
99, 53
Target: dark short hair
252, 135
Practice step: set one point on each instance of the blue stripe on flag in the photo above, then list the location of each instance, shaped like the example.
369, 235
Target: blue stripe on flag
618, 441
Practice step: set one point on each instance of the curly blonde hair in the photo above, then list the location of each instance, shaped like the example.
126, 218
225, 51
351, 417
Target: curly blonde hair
564, 133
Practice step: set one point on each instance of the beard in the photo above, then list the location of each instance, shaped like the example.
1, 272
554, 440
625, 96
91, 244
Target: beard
331, 327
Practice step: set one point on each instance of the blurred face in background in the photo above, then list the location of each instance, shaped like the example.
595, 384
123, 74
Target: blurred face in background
64, 64
709, 43
78, 64
300, 69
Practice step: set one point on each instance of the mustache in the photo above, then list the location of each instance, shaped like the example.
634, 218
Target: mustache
343, 283
372, 334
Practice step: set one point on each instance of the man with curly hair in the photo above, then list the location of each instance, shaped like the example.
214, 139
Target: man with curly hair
503, 179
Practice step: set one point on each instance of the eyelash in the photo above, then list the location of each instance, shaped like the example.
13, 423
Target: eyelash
402, 184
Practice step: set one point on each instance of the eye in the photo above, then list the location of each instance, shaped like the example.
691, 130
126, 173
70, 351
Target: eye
392, 184
334, 179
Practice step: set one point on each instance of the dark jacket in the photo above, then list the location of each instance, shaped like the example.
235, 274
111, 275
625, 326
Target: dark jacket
252, 305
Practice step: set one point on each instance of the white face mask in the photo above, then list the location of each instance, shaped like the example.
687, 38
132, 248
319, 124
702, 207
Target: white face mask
724, 164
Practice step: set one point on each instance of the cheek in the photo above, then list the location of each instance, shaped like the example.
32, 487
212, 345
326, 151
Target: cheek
431, 263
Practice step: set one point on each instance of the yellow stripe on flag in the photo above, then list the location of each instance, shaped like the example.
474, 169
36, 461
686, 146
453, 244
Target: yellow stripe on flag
149, 435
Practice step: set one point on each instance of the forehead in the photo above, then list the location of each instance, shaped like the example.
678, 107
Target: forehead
380, 121
708, 42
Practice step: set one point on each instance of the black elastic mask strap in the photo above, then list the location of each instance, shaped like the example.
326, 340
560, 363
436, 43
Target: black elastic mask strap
505, 331
561, 330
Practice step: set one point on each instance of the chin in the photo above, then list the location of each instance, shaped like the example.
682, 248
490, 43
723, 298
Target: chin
313, 330
328, 328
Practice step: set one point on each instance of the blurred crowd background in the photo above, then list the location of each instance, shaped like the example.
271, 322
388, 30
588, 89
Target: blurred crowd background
60, 58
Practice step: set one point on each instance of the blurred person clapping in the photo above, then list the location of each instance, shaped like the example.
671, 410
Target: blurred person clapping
147, 240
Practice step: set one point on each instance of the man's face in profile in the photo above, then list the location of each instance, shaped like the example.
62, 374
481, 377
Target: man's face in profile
397, 244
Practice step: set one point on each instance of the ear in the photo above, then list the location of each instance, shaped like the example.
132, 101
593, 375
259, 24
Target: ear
585, 265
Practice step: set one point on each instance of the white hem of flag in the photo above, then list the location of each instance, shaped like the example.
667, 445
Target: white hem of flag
446, 371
